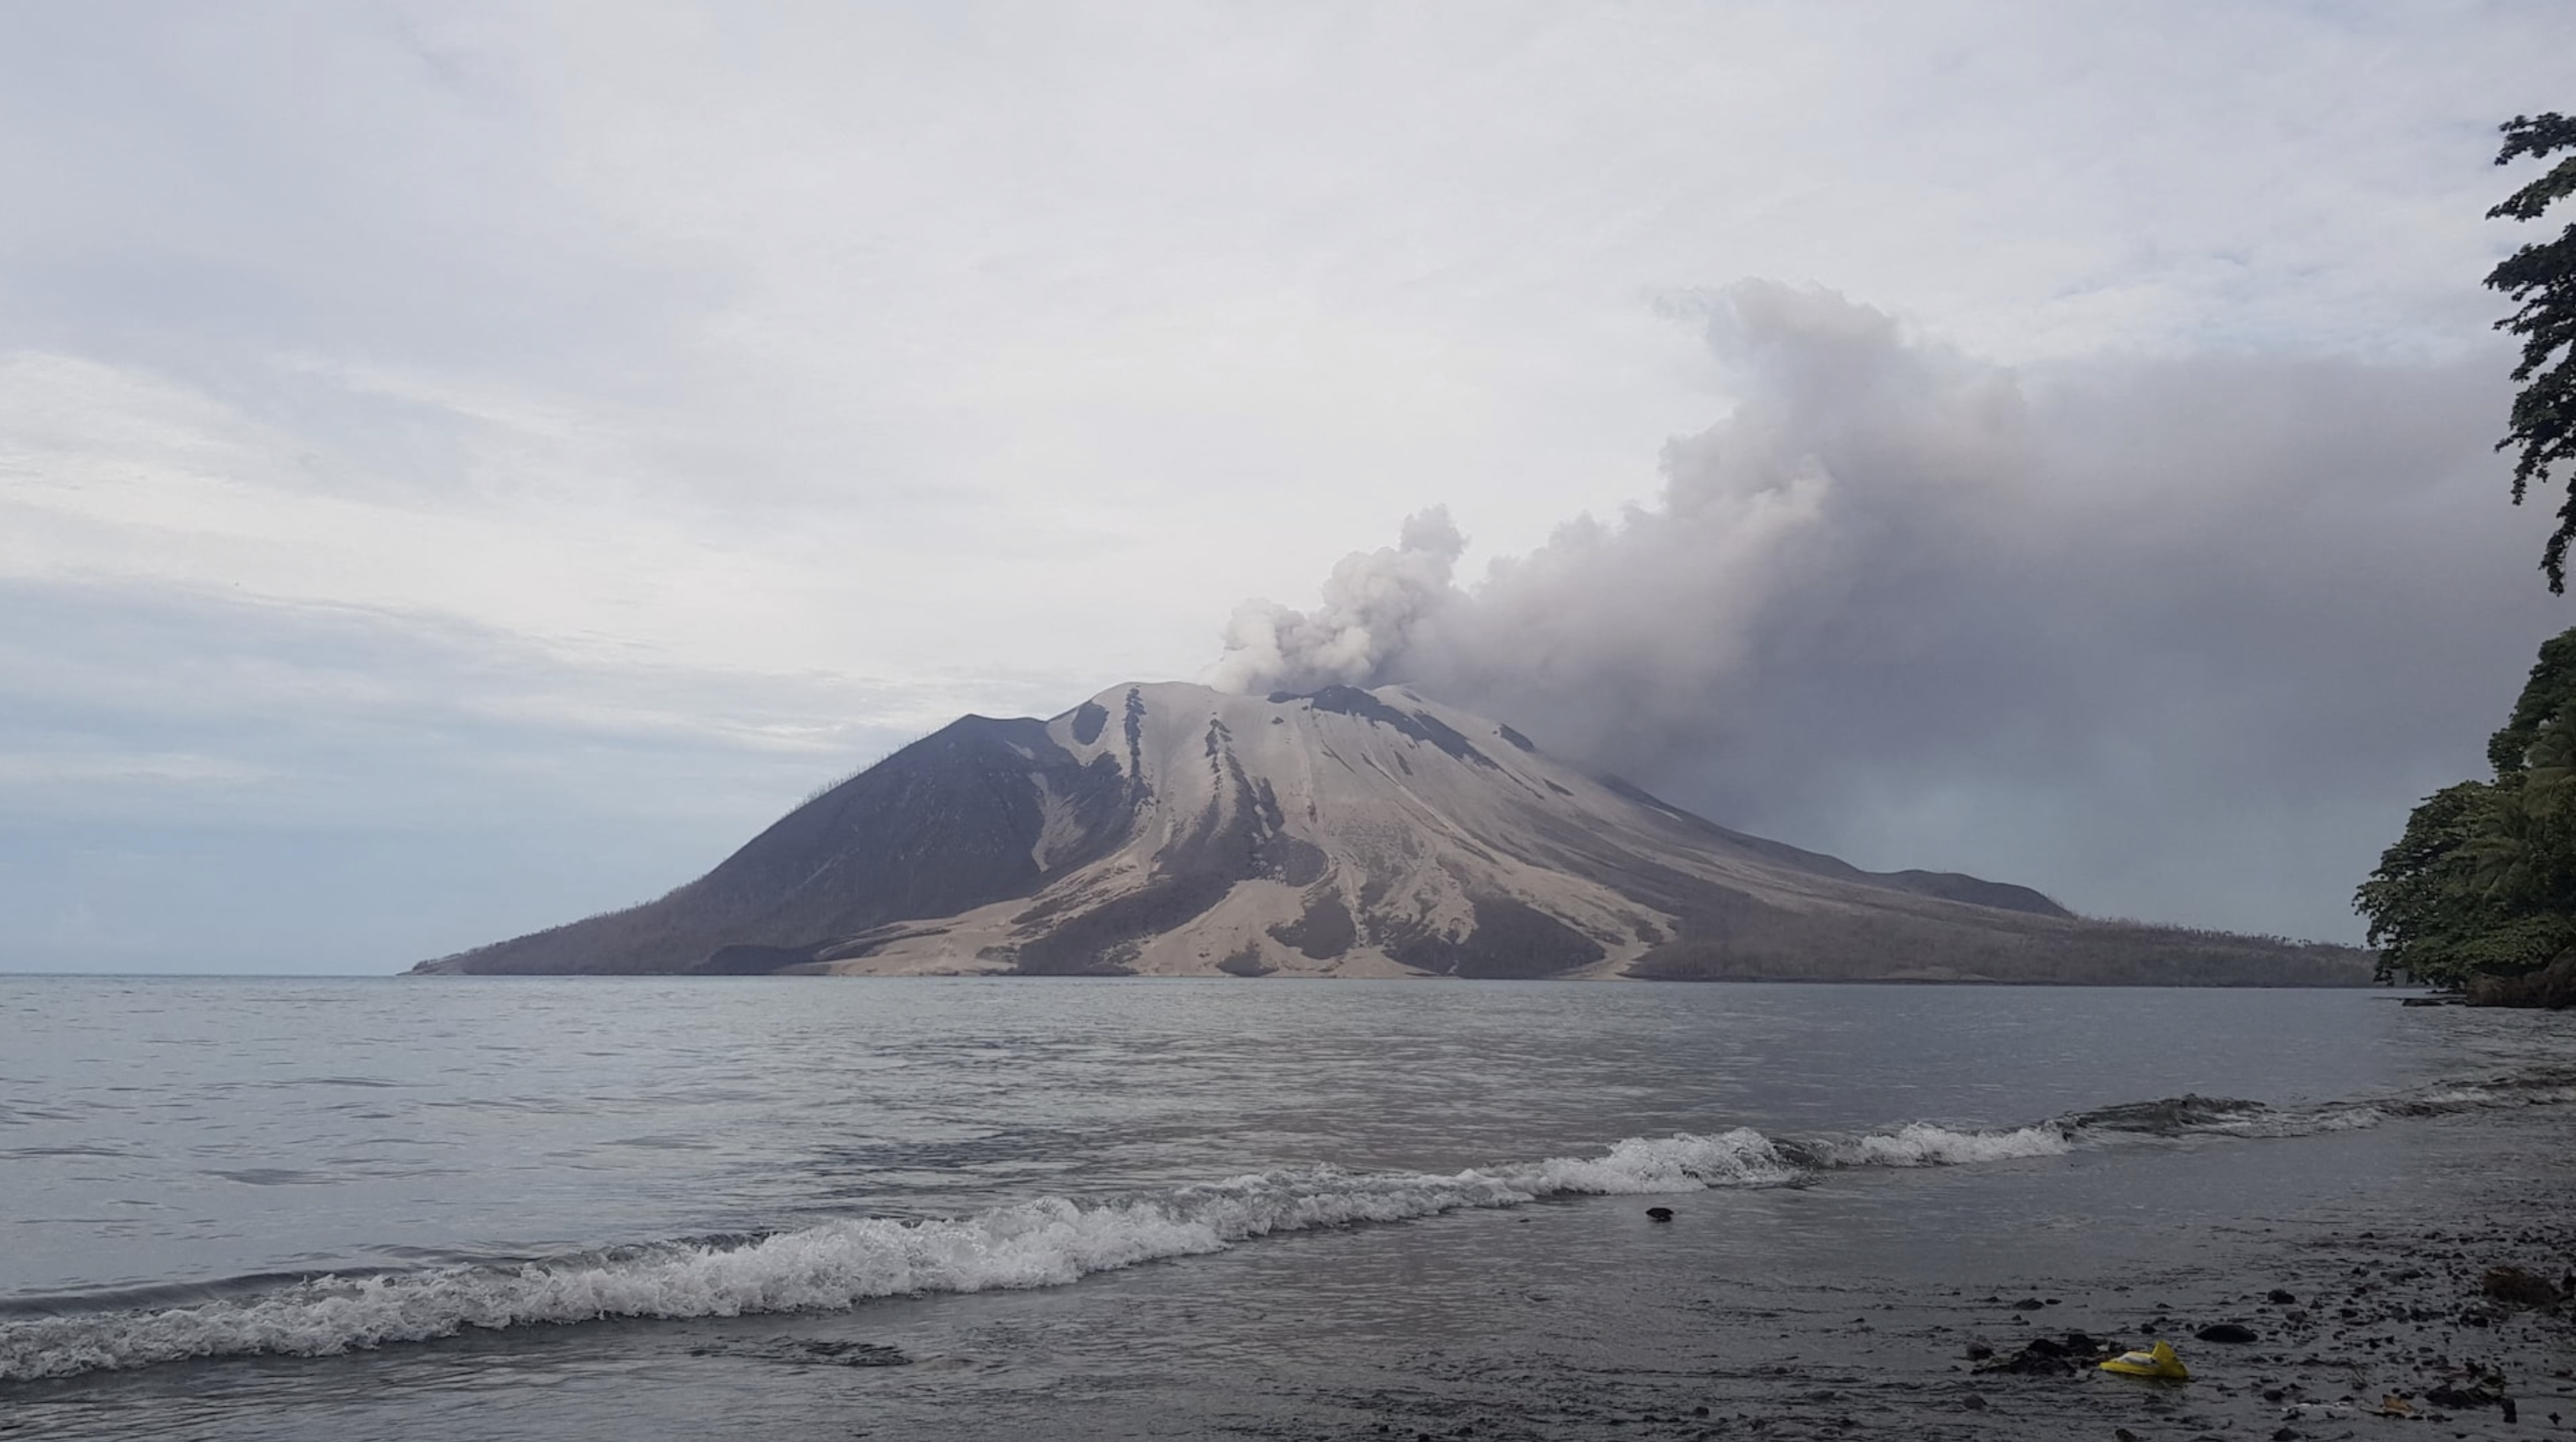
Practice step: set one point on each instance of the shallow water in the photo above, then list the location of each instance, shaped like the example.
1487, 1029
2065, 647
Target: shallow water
830, 1207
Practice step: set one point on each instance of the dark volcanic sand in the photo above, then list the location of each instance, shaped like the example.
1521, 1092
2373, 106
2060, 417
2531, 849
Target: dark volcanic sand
2386, 1272
1849, 1309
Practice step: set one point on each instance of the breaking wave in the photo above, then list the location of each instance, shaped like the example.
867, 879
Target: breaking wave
1054, 1240
838, 1264
1922, 1144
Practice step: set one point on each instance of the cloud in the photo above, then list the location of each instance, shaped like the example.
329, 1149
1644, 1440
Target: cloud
86, 766
2179, 638
399, 397
193, 779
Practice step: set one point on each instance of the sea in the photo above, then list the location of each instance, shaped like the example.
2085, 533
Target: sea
400, 1208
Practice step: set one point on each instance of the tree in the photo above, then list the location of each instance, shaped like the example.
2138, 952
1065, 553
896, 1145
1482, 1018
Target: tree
2541, 280
2483, 882
2482, 885
2549, 693
2423, 904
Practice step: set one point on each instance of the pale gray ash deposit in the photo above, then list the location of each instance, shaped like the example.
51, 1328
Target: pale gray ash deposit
1175, 830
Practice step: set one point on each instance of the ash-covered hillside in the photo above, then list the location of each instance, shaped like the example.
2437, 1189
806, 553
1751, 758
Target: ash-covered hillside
1170, 829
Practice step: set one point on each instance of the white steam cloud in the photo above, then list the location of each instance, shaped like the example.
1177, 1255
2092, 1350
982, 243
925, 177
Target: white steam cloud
1373, 603
2173, 638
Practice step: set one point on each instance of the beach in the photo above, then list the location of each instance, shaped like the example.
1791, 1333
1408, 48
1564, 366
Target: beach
1879, 1197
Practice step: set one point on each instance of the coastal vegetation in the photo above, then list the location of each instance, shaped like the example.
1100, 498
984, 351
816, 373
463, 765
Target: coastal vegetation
2479, 894
2541, 280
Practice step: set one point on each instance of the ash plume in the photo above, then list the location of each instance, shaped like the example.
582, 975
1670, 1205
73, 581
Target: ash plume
2176, 638
1374, 604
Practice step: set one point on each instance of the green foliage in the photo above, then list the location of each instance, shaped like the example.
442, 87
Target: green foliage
2484, 879
2548, 694
2483, 882
2541, 280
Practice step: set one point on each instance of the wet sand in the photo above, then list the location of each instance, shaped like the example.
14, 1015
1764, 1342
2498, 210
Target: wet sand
2357, 1262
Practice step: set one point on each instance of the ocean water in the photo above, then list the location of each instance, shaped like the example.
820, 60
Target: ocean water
396, 1208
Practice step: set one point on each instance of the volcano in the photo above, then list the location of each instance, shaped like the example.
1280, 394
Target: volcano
1172, 830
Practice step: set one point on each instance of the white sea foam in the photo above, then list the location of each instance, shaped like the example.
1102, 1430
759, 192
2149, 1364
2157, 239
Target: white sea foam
1922, 1144
835, 1265
1679, 1163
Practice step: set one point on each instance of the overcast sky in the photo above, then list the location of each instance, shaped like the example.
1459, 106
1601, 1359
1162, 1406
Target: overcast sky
464, 467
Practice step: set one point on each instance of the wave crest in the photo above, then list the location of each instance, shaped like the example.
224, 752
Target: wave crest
838, 1264
1923, 1144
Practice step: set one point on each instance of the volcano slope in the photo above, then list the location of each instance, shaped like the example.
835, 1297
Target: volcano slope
1172, 830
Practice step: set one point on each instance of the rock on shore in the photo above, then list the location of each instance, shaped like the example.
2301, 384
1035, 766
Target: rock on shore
2553, 987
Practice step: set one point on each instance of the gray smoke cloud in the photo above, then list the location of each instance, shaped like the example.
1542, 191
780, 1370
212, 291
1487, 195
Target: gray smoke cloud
1373, 602
2173, 638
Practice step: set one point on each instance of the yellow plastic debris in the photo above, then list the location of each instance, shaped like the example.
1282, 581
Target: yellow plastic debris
2157, 1361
